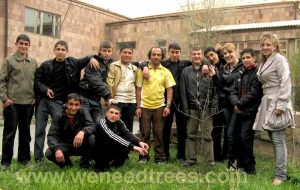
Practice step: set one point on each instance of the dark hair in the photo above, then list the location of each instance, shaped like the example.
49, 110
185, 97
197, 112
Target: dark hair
114, 106
209, 49
174, 45
125, 46
23, 37
250, 51
62, 43
73, 96
106, 44
162, 52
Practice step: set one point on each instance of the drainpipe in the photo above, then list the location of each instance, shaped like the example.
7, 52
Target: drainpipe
5, 27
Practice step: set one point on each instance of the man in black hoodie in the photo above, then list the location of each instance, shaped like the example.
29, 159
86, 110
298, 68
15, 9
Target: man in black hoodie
71, 134
114, 141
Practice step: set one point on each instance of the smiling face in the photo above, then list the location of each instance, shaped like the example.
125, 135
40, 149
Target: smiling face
60, 52
230, 56
22, 46
113, 115
212, 57
267, 47
126, 56
73, 106
248, 60
196, 57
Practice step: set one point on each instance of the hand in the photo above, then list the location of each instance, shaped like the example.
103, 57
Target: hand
217, 47
33, 102
145, 147
112, 101
212, 70
94, 64
8, 102
50, 93
237, 110
205, 69
78, 139
278, 111
59, 156
166, 112
138, 112
139, 150
146, 75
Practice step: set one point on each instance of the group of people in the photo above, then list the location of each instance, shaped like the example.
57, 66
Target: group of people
214, 90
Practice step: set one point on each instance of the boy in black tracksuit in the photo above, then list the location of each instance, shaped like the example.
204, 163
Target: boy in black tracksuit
245, 97
71, 134
114, 141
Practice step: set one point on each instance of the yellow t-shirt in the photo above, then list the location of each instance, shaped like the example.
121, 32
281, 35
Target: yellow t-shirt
153, 89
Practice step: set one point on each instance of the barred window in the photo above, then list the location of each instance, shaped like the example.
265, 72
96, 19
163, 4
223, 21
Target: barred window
40, 22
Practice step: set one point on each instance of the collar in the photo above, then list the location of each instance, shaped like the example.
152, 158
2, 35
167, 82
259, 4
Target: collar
151, 66
18, 57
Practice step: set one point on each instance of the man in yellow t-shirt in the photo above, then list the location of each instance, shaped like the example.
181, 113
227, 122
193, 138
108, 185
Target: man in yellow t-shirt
151, 106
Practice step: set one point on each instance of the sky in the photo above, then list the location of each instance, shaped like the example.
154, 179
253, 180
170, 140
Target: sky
139, 8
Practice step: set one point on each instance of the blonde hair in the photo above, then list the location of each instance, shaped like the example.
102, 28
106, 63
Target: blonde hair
228, 46
275, 41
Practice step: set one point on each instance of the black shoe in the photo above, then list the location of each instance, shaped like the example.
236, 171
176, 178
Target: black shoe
4, 166
232, 165
188, 164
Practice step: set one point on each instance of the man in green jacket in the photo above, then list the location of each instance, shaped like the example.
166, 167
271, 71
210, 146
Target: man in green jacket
16, 93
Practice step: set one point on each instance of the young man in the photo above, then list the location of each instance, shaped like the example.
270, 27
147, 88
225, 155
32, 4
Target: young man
245, 96
217, 61
114, 141
16, 93
121, 82
70, 134
150, 99
54, 79
199, 102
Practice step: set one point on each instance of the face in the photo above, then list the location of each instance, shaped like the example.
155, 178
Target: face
73, 106
106, 53
267, 47
212, 57
60, 52
156, 56
113, 115
126, 55
174, 54
248, 60
230, 56
22, 46
196, 57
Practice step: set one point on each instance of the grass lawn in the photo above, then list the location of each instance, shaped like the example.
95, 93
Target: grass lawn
148, 176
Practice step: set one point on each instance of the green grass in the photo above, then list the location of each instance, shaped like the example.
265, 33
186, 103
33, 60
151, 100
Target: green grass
148, 176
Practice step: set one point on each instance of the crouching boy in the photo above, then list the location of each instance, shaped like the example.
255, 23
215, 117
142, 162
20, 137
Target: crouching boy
114, 141
71, 134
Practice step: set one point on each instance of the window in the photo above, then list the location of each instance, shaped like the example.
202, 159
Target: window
131, 44
162, 44
40, 22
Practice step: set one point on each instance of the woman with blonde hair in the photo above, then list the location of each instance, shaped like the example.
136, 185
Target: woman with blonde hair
275, 111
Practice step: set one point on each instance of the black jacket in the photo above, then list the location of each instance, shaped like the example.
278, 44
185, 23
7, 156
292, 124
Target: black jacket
92, 86
246, 91
176, 69
206, 100
104, 66
108, 132
61, 131
227, 78
44, 75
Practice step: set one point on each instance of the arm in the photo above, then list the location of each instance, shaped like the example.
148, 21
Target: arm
183, 92
166, 111
139, 83
111, 77
39, 86
95, 81
3, 83
53, 139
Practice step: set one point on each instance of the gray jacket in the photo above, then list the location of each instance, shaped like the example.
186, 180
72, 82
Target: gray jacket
17, 79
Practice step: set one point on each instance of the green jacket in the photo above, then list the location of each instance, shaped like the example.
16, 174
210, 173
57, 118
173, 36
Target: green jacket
17, 79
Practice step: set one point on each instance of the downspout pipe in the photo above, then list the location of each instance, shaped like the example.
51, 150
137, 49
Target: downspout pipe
5, 28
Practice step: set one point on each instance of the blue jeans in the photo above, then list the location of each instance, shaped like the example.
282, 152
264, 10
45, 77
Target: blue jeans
44, 108
280, 150
93, 107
